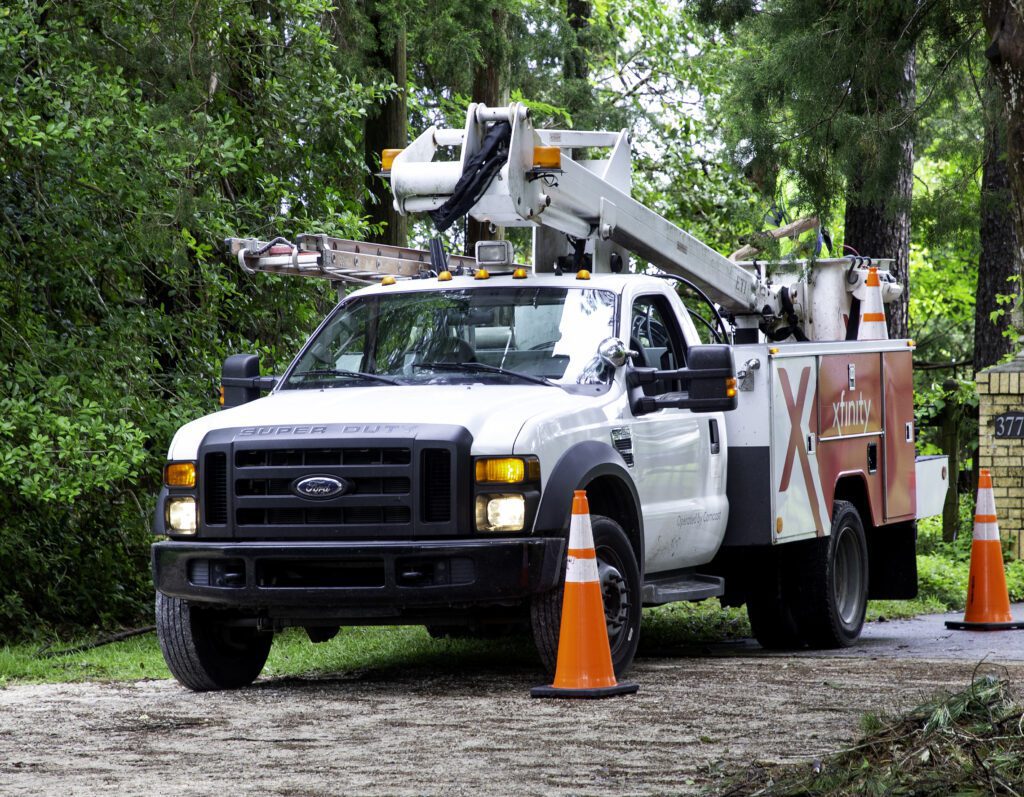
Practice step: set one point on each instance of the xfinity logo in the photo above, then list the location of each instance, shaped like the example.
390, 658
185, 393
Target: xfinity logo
852, 412
320, 487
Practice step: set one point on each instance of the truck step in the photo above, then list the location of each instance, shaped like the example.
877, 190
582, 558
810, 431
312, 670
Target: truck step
681, 587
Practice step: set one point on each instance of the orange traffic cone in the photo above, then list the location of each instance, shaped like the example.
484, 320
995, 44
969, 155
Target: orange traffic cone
872, 315
584, 666
988, 602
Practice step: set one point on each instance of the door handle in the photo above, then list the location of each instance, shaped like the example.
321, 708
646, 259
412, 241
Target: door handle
716, 446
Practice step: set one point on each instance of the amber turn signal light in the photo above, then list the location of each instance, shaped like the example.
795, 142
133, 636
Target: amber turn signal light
180, 474
507, 470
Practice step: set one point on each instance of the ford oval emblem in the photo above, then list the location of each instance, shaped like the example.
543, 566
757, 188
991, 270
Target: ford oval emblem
320, 487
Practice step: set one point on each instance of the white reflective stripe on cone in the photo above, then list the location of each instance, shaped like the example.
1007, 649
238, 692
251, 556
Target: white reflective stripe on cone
986, 526
581, 570
986, 531
986, 504
580, 533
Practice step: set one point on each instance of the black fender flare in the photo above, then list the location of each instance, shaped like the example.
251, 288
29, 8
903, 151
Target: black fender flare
159, 525
576, 468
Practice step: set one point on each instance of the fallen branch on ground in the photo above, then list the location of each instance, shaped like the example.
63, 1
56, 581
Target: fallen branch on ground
46, 653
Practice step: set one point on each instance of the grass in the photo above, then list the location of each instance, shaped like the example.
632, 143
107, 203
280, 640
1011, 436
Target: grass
969, 743
352, 650
942, 573
362, 648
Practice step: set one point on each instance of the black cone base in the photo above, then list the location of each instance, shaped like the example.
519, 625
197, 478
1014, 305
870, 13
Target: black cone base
962, 625
623, 688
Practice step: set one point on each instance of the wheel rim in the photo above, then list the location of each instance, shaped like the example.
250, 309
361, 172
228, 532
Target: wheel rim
848, 577
615, 595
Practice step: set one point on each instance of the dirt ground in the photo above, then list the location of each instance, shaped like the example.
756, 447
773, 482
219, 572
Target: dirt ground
695, 720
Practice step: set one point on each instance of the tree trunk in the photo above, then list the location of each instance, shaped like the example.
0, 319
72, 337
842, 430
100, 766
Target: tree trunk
881, 229
386, 129
1004, 23
1000, 251
491, 88
576, 66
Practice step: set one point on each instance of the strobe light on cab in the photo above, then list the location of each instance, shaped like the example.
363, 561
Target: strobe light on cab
387, 159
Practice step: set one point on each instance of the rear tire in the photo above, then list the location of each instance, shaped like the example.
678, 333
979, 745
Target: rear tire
203, 652
836, 583
814, 593
620, 588
772, 604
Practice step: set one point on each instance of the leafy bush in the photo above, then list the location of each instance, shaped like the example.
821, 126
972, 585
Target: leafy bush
132, 140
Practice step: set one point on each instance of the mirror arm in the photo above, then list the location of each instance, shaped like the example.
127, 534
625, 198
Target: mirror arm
263, 383
644, 376
682, 400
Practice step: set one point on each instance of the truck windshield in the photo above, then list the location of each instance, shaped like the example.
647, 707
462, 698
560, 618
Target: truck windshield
496, 335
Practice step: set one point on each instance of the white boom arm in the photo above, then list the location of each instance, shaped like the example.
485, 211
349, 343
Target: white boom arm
571, 203
585, 200
589, 200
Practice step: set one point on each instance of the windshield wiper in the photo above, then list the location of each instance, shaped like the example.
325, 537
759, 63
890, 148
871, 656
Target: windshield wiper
351, 374
487, 369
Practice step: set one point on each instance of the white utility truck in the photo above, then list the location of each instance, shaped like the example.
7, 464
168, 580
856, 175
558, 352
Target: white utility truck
416, 462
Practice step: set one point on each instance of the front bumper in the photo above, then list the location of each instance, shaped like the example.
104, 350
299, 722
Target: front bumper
358, 579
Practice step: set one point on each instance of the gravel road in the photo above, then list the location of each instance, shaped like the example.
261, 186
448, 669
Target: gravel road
700, 714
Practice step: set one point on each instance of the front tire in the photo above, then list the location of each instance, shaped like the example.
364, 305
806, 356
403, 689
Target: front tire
620, 588
203, 652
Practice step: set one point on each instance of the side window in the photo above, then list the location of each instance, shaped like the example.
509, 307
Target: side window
655, 333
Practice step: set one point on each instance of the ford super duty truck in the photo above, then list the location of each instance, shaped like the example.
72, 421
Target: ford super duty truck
415, 463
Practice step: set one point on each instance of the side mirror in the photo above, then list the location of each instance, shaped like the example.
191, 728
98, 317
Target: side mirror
708, 383
613, 351
241, 381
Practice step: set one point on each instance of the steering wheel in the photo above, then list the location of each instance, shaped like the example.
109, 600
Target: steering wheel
453, 350
640, 361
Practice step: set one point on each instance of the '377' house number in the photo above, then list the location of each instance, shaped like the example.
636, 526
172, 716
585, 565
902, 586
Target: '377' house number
1009, 425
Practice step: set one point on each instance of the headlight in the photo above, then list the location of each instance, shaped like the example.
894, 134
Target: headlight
181, 515
500, 512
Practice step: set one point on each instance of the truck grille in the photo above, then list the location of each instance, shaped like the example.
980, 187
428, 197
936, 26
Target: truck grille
215, 487
403, 488
437, 478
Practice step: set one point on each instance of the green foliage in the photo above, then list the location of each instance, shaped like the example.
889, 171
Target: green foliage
931, 397
135, 138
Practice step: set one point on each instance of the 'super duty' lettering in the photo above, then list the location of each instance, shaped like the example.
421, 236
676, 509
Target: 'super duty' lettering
259, 431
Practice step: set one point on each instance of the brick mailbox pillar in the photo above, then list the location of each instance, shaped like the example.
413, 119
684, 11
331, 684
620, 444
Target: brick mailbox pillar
1001, 443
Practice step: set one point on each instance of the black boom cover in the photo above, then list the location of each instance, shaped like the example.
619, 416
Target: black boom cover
476, 176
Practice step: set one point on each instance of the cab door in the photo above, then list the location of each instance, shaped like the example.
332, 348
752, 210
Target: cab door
678, 454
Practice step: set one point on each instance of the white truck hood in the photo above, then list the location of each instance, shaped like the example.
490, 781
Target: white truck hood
493, 414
